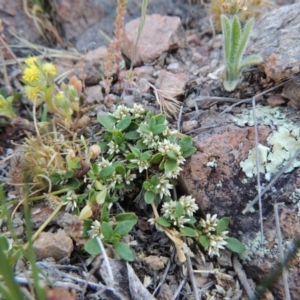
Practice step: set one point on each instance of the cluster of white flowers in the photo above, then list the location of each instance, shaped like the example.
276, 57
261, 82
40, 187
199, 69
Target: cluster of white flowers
149, 139
142, 164
113, 180
216, 241
104, 163
164, 186
189, 207
71, 200
122, 111
113, 148
95, 230
128, 178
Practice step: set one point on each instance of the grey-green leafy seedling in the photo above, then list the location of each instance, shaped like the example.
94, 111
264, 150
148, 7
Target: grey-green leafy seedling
234, 43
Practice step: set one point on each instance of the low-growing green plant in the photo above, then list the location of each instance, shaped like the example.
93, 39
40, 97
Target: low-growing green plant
234, 44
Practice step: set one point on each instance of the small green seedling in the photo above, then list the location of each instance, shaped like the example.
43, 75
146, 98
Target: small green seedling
234, 43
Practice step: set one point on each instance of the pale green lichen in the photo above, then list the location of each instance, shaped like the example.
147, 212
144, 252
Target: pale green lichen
283, 142
295, 197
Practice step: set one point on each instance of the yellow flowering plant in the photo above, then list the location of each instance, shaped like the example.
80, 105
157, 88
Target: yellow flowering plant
6, 108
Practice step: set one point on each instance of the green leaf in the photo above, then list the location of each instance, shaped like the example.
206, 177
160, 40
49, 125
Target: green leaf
124, 123
4, 243
135, 151
192, 220
132, 135
55, 178
120, 170
204, 241
92, 247
160, 119
127, 217
172, 155
141, 146
156, 158
187, 231
107, 171
189, 152
146, 155
222, 225
250, 60
107, 121
146, 185
179, 210
73, 163
124, 251
123, 228
152, 123
107, 230
170, 164
155, 180
100, 198
185, 143
73, 183
162, 221
149, 197
104, 213
235, 245
226, 30
145, 128
159, 128
235, 39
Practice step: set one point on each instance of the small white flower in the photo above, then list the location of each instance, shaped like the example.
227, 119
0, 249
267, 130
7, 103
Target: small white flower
137, 110
113, 148
104, 163
129, 177
210, 224
169, 132
168, 210
189, 205
150, 140
95, 230
142, 164
71, 200
121, 112
180, 221
165, 146
164, 186
216, 242
115, 179
174, 173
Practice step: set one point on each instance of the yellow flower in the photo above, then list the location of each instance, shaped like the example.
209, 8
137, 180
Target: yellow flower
60, 96
31, 73
30, 60
1, 102
49, 69
32, 92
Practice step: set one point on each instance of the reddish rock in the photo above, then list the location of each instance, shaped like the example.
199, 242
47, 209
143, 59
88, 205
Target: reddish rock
160, 34
189, 125
76, 15
275, 100
165, 293
57, 245
171, 82
154, 262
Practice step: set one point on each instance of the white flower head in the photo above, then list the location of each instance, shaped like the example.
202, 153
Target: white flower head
164, 186
137, 110
71, 200
121, 112
104, 163
180, 221
95, 230
113, 148
142, 164
189, 205
217, 242
168, 210
128, 177
174, 173
210, 224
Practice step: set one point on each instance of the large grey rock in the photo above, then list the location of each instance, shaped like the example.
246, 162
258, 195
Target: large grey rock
276, 38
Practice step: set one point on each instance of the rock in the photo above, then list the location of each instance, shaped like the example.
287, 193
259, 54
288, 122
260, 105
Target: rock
144, 72
57, 245
165, 293
214, 178
160, 34
93, 94
154, 262
76, 16
275, 37
189, 125
89, 67
275, 100
170, 82
291, 91
58, 293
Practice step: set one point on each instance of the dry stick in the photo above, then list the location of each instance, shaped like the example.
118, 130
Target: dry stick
192, 277
179, 118
110, 273
179, 289
242, 277
9, 51
257, 169
6, 79
165, 272
284, 270
254, 201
